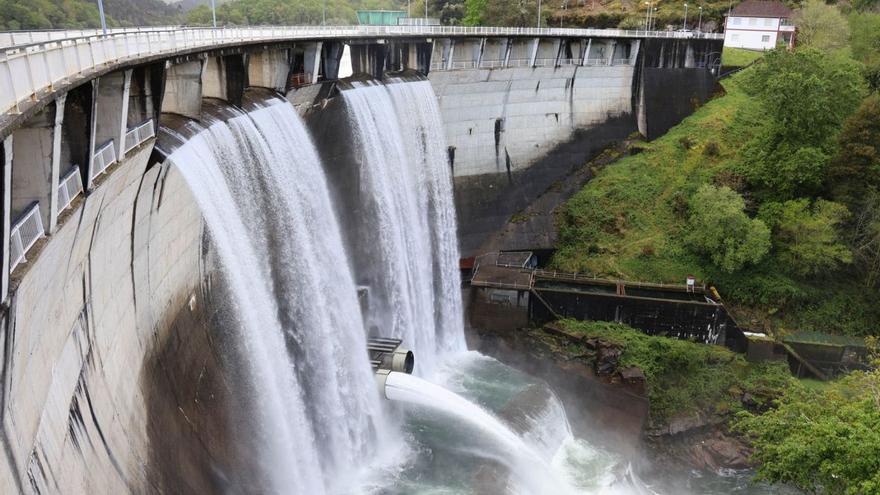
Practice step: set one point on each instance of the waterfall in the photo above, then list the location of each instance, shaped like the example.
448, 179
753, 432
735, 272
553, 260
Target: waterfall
408, 236
259, 183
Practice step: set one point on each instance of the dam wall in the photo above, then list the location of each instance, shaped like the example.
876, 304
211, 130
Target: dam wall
84, 319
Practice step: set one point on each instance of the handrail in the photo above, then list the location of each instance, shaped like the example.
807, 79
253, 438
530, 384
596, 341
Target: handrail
138, 134
32, 62
69, 188
24, 234
103, 158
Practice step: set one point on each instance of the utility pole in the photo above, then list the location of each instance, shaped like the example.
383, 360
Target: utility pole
426, 9
539, 13
103, 20
685, 25
647, 14
323, 14
214, 13
700, 23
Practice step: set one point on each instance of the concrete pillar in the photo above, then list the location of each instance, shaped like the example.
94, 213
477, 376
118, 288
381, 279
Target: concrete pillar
312, 60
612, 44
412, 57
533, 55
331, 57
451, 54
270, 68
586, 56
6, 178
123, 119
214, 79
183, 89
508, 46
55, 178
33, 147
110, 104
634, 51
560, 46
93, 126
480, 54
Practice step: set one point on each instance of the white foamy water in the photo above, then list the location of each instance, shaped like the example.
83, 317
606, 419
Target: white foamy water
261, 188
409, 236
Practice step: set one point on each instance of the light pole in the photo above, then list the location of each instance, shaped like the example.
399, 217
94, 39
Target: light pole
323, 14
685, 25
700, 23
539, 13
426, 9
103, 20
214, 13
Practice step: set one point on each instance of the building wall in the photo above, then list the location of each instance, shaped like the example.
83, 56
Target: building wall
750, 32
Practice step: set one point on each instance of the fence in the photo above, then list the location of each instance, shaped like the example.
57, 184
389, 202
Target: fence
69, 188
33, 61
25, 232
140, 133
104, 157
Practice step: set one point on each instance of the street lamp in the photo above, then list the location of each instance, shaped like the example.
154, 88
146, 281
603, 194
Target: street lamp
426, 9
214, 13
103, 20
539, 13
323, 13
685, 25
700, 23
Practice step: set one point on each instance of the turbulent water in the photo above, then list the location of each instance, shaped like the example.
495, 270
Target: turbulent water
262, 191
467, 424
408, 232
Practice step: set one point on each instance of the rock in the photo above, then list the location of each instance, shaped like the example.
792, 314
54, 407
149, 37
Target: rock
632, 374
607, 359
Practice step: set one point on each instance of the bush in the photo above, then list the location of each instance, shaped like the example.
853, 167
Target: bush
720, 229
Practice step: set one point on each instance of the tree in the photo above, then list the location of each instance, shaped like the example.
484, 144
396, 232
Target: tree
856, 166
806, 95
865, 43
805, 236
821, 26
720, 229
501, 12
821, 441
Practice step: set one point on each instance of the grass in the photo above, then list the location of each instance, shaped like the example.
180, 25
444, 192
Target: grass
739, 57
630, 221
687, 377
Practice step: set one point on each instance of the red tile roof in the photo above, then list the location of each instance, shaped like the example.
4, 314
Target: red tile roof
759, 8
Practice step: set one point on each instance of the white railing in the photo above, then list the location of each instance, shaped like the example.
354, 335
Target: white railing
32, 62
137, 135
104, 157
24, 233
70, 187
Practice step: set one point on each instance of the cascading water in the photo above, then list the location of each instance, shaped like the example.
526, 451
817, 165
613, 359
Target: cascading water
408, 222
260, 185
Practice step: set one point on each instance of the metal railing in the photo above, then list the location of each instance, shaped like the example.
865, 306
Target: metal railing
137, 135
104, 157
70, 187
24, 233
32, 62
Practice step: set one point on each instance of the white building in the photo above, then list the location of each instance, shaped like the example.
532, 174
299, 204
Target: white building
759, 25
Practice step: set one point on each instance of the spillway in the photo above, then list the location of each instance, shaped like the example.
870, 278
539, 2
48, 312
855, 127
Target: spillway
260, 186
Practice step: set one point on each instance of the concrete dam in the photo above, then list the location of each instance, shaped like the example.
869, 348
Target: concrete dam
203, 228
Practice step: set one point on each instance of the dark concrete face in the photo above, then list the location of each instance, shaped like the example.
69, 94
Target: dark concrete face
670, 95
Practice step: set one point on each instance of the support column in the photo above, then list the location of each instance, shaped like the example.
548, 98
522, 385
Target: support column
7, 219
559, 48
586, 56
533, 56
123, 119
451, 56
55, 177
269, 68
313, 60
183, 89
482, 51
93, 129
611, 52
508, 46
634, 51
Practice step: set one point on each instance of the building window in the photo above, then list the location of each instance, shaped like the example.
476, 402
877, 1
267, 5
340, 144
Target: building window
736, 21
734, 37
753, 21
765, 38
768, 22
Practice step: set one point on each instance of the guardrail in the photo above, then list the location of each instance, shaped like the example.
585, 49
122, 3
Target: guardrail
137, 135
24, 233
70, 187
104, 157
32, 62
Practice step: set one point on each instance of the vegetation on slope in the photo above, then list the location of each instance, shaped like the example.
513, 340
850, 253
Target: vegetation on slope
751, 193
74, 14
687, 377
739, 57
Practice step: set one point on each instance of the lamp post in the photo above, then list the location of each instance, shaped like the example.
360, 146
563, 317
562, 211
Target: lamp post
103, 19
539, 13
214, 13
685, 25
323, 14
700, 23
647, 12
426, 9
